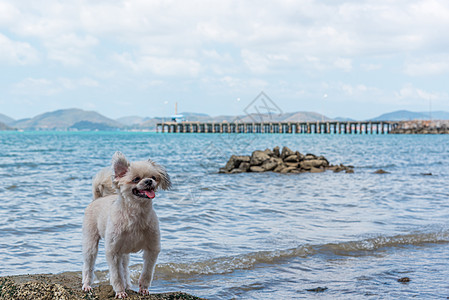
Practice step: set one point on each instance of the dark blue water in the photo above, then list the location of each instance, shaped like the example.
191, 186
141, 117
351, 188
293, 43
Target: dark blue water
244, 235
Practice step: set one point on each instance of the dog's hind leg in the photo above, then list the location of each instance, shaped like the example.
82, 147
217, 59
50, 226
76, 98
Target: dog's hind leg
90, 250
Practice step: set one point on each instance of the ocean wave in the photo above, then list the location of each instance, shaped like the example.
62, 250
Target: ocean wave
369, 246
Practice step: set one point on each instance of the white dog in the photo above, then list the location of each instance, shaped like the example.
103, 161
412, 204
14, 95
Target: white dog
122, 214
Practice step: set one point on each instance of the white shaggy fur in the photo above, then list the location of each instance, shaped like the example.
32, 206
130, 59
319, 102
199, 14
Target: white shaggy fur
122, 214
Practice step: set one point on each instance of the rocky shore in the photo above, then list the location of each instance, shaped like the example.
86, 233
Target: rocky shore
66, 286
285, 161
422, 127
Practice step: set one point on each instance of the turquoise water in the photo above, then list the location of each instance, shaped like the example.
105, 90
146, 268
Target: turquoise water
244, 235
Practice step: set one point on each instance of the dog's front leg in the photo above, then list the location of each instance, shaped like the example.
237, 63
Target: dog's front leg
125, 268
149, 262
115, 262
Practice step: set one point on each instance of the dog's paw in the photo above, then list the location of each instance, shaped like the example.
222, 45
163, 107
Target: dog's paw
121, 295
87, 288
144, 291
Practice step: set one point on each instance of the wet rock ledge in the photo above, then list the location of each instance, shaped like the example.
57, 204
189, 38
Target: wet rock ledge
67, 286
285, 161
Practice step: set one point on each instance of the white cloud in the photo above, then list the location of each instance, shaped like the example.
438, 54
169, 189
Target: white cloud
17, 53
427, 66
70, 49
371, 67
344, 64
162, 66
409, 92
290, 29
232, 45
48, 87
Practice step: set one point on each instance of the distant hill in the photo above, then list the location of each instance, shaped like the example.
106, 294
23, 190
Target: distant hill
439, 115
91, 126
5, 119
131, 120
406, 115
343, 119
64, 119
78, 119
3, 126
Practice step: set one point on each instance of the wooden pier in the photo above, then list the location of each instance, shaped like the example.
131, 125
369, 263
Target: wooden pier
328, 127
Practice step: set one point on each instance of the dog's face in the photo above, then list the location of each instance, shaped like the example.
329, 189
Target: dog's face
138, 180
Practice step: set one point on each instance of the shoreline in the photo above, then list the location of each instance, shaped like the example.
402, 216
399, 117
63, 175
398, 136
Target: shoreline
67, 286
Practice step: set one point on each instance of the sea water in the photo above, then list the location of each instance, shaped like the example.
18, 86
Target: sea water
244, 236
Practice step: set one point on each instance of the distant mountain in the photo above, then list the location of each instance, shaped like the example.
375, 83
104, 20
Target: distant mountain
131, 120
78, 119
91, 126
3, 126
194, 114
439, 115
343, 119
64, 119
5, 119
406, 115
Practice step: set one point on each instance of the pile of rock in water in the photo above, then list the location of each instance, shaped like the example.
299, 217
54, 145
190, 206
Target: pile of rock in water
285, 161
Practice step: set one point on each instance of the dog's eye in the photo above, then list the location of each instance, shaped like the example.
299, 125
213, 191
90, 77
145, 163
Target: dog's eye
136, 180
154, 178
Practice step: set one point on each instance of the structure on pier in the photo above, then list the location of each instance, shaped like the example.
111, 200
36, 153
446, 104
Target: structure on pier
328, 127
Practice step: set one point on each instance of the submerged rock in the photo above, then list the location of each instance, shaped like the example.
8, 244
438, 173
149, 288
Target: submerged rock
380, 171
285, 161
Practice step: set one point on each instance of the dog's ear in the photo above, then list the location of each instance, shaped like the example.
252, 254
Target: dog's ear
165, 182
120, 164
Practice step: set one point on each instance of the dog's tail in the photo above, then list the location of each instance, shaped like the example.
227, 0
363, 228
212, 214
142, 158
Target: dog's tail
102, 184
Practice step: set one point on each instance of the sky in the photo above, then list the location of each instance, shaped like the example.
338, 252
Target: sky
354, 59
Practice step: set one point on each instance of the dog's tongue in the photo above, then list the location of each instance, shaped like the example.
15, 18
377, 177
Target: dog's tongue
150, 194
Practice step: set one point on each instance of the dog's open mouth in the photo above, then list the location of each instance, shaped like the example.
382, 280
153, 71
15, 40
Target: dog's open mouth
144, 193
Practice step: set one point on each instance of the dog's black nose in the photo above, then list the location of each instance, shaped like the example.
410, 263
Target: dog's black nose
148, 182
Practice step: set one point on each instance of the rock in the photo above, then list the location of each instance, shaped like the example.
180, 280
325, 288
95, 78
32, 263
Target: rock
66, 286
244, 166
279, 168
270, 164
310, 156
317, 289
380, 171
234, 162
290, 164
223, 170
314, 163
256, 169
285, 161
300, 156
316, 170
268, 152
292, 158
404, 280
324, 160
258, 157
288, 170
305, 165
286, 152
